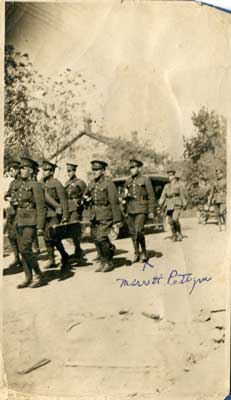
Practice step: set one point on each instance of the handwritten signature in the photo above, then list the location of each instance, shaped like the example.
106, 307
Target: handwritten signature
172, 279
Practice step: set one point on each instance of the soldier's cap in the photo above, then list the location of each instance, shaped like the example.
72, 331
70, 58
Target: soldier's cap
133, 162
14, 164
71, 165
28, 162
219, 170
203, 178
47, 165
98, 164
171, 171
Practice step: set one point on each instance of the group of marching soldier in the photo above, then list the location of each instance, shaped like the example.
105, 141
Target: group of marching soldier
36, 207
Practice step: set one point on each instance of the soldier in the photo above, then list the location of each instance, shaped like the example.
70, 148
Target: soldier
140, 200
202, 195
35, 246
75, 188
174, 200
101, 196
217, 197
57, 211
11, 211
30, 217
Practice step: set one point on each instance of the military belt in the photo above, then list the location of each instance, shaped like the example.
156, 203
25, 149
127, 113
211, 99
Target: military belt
26, 205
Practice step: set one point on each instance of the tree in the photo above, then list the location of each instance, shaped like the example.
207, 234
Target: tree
206, 149
41, 114
120, 150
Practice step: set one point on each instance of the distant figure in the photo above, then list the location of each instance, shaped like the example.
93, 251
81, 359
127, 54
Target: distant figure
173, 199
140, 200
102, 199
217, 197
11, 197
203, 195
75, 189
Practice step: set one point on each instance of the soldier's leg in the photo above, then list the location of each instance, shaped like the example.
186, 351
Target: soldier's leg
30, 262
133, 233
49, 245
94, 235
176, 222
139, 223
35, 246
11, 226
218, 216
76, 217
172, 226
105, 245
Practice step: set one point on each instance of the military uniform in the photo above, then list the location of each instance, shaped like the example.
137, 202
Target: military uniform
140, 199
30, 216
75, 189
104, 213
11, 195
173, 199
218, 198
57, 211
202, 196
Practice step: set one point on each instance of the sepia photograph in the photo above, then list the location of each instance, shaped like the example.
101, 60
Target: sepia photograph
115, 236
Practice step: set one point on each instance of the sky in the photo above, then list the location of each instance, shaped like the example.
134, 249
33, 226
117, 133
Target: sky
153, 63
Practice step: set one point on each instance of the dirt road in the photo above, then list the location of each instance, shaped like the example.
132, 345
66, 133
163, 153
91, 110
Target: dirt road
114, 336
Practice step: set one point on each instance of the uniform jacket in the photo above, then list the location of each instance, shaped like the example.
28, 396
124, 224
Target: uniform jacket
203, 194
104, 200
74, 189
11, 195
55, 196
172, 196
31, 206
140, 195
218, 191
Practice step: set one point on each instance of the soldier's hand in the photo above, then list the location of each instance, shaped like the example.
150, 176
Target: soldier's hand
58, 210
150, 216
64, 221
40, 232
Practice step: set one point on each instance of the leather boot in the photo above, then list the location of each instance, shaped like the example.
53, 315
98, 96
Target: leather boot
136, 256
79, 253
38, 281
28, 275
100, 257
178, 230
16, 260
108, 266
143, 256
51, 257
173, 237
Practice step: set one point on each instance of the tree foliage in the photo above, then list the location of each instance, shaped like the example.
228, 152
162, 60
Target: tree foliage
206, 149
41, 113
120, 151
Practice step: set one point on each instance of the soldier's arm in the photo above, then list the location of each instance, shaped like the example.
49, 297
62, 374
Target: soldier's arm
114, 201
182, 195
83, 186
8, 194
39, 198
211, 194
62, 196
50, 201
151, 196
162, 197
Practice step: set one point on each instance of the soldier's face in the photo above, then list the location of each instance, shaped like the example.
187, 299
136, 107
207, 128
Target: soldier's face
26, 172
47, 173
97, 173
219, 174
134, 171
171, 177
71, 172
13, 172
